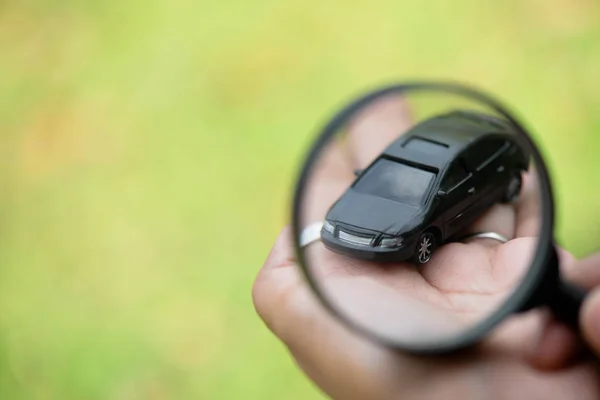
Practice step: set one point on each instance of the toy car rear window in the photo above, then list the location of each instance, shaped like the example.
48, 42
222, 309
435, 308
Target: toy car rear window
395, 181
425, 146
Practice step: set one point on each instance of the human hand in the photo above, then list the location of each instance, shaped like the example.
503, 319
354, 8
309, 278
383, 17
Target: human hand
465, 280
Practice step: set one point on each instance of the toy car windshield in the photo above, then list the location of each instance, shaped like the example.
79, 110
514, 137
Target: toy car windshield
395, 181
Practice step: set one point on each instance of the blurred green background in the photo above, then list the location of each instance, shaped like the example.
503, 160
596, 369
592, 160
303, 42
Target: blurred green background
148, 149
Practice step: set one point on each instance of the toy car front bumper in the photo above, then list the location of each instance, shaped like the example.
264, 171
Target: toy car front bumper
368, 252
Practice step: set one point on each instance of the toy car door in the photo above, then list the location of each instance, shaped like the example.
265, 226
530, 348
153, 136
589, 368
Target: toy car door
459, 195
490, 174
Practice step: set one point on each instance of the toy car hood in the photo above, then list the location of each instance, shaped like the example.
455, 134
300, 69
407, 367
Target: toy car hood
372, 213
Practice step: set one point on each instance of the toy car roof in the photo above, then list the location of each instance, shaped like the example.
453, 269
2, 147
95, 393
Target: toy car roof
436, 141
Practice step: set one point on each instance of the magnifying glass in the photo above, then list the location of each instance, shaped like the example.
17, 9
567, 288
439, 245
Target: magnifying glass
423, 218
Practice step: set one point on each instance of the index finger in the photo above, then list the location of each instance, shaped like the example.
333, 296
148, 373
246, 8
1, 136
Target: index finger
375, 127
330, 176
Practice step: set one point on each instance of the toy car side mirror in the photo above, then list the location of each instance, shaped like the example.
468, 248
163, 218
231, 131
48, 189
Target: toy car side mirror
441, 194
357, 172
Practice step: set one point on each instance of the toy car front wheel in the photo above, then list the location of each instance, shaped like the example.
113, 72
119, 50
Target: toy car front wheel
513, 188
425, 248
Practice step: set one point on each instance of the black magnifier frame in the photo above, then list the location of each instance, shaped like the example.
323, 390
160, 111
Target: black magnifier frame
541, 285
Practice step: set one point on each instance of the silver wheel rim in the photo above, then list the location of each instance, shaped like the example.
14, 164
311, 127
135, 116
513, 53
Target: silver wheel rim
425, 248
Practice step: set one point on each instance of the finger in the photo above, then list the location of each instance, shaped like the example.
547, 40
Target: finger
512, 220
585, 273
557, 346
331, 175
517, 334
499, 219
528, 206
341, 363
375, 127
590, 320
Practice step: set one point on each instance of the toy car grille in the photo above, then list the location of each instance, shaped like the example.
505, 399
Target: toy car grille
350, 238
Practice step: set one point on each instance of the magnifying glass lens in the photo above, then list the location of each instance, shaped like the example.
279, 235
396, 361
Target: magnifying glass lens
419, 215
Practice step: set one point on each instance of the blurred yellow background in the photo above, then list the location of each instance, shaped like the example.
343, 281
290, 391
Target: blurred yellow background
148, 149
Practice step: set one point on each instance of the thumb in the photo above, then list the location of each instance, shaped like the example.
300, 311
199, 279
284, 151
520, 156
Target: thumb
590, 320
343, 364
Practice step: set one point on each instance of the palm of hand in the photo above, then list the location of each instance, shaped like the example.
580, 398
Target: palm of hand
467, 280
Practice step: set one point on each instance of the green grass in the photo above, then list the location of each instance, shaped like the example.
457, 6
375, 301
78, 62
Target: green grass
149, 149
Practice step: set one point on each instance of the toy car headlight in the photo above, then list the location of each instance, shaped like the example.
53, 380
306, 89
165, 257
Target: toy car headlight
391, 242
328, 226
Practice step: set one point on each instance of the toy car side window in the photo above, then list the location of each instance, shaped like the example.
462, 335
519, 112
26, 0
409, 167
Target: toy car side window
455, 175
484, 151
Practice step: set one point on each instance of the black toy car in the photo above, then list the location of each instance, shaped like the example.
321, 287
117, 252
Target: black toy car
425, 187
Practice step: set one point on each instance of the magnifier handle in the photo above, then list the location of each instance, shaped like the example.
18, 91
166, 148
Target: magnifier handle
566, 303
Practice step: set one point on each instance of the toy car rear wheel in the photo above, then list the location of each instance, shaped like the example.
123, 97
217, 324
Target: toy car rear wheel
513, 188
425, 248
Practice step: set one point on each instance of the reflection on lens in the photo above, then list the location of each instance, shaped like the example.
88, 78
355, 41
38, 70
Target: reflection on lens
402, 190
